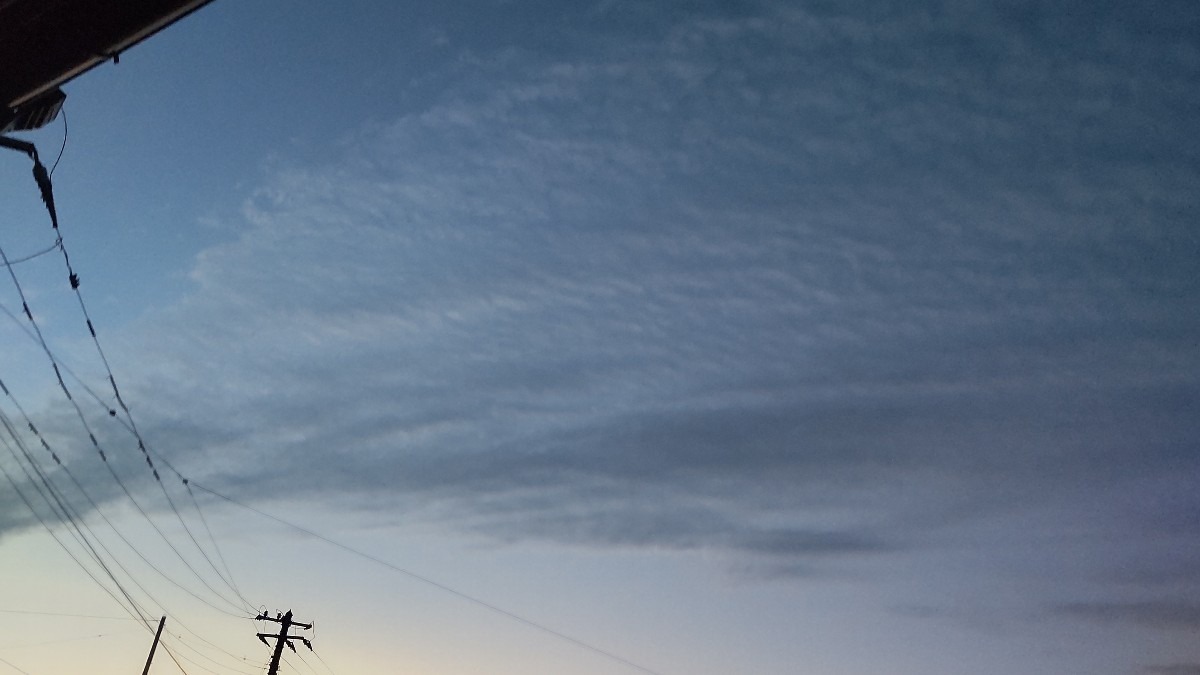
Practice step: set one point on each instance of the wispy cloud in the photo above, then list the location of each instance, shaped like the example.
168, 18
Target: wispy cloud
779, 283
1173, 669
1174, 614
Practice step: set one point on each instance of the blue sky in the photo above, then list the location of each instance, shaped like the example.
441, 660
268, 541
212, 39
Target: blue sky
727, 337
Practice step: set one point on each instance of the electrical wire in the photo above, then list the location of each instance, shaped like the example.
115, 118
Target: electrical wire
310, 666
440, 586
216, 547
66, 469
84, 531
47, 195
46, 188
73, 278
11, 665
81, 638
64, 512
40, 337
286, 658
177, 656
133, 579
323, 662
28, 503
52, 496
239, 660
63, 112
38, 254
96, 507
31, 612
9, 427
176, 660
211, 644
90, 391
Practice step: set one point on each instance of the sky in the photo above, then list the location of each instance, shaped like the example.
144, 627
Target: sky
830, 338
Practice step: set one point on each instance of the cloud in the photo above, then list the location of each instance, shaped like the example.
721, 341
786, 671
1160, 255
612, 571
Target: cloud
1169, 614
1173, 669
781, 283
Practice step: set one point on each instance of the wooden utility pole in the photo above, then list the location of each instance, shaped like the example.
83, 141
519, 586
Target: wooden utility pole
283, 638
161, 623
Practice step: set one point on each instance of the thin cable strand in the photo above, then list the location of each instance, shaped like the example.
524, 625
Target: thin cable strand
82, 538
24, 498
327, 667
161, 606
65, 513
237, 659
96, 506
307, 663
73, 278
103, 456
61, 111
38, 254
64, 614
426, 580
100, 401
177, 663
46, 188
11, 665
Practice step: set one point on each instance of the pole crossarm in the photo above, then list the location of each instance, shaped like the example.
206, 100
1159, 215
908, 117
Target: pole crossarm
283, 637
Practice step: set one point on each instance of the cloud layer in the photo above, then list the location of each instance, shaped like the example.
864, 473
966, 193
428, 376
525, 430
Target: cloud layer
796, 285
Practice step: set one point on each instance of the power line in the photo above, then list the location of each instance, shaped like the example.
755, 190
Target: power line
63, 112
14, 667
241, 661
40, 338
310, 666
65, 614
132, 609
82, 539
440, 586
210, 643
79, 526
59, 506
45, 444
64, 640
79, 411
96, 507
173, 658
73, 278
46, 188
37, 254
220, 555
66, 514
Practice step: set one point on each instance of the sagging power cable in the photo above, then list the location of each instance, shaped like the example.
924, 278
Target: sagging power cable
438, 585
95, 506
95, 442
54, 499
46, 189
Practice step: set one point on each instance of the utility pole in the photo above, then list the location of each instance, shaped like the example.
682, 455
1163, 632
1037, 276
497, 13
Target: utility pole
283, 638
154, 645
